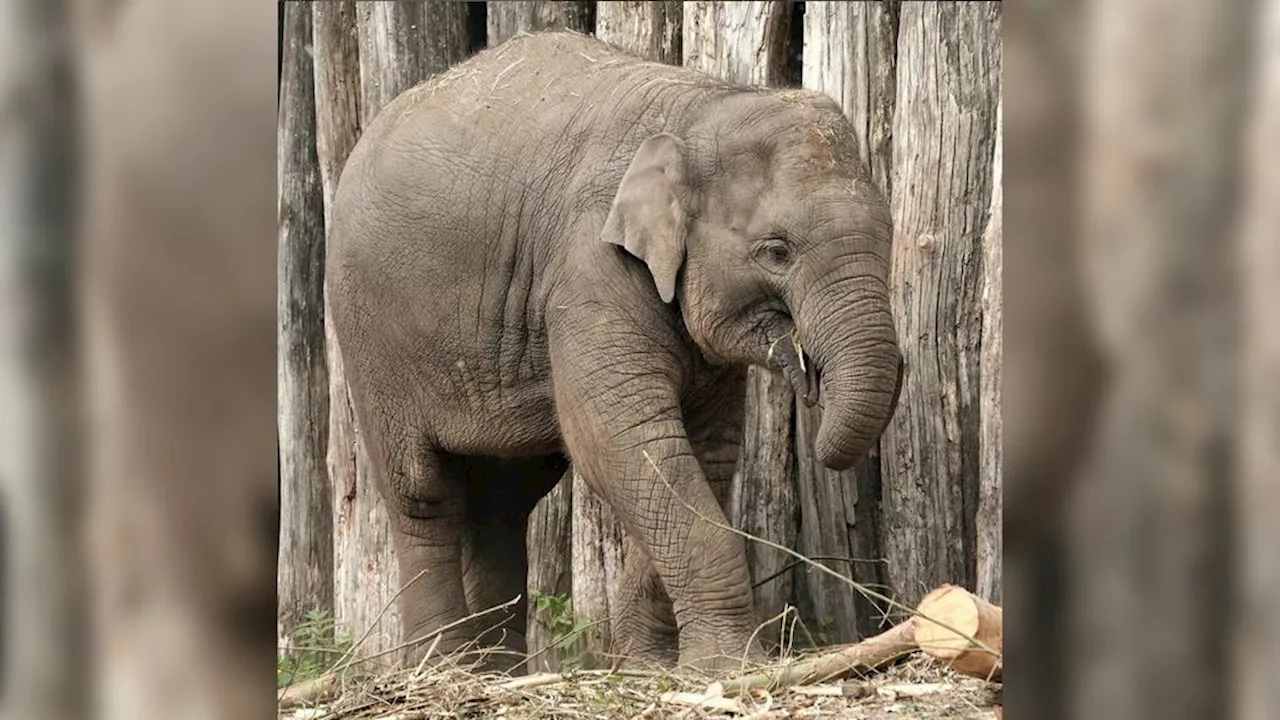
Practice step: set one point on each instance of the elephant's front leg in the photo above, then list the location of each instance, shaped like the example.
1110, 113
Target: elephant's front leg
623, 426
643, 626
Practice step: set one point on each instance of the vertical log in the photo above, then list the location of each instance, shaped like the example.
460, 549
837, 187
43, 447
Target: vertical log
305, 571
1161, 186
550, 568
948, 70
651, 30
988, 549
367, 54
511, 18
401, 43
746, 43
849, 55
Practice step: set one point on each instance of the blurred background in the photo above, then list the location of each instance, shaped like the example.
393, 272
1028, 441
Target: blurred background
138, 376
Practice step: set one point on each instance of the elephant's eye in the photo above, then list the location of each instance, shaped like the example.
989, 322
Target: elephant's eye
775, 253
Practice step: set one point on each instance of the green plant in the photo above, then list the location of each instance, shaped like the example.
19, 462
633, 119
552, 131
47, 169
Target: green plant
316, 646
555, 612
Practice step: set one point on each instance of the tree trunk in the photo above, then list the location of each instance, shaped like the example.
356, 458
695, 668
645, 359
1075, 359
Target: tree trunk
511, 18
849, 55
746, 42
948, 74
989, 549
1161, 175
651, 30
305, 569
550, 568
402, 43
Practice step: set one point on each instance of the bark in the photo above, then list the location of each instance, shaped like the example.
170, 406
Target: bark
507, 19
1258, 630
989, 546
402, 43
651, 30
648, 29
849, 55
1162, 165
746, 43
550, 568
598, 541
948, 72
305, 575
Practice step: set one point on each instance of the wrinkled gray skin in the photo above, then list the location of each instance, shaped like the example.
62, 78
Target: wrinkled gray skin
557, 250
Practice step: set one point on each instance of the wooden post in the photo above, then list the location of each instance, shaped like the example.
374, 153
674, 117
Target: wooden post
305, 568
746, 42
849, 55
510, 18
948, 72
989, 546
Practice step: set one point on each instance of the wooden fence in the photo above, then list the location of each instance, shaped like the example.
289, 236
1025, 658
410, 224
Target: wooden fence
921, 84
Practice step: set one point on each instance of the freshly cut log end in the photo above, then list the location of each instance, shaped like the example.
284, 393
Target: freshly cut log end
951, 619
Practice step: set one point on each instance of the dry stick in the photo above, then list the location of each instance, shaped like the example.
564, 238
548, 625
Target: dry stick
869, 654
867, 592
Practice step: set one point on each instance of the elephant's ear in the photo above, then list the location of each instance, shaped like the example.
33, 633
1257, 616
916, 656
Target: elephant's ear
647, 217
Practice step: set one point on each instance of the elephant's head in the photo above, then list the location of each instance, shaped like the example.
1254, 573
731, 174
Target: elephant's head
757, 220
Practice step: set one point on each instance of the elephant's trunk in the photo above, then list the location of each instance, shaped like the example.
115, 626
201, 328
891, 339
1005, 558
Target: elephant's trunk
849, 336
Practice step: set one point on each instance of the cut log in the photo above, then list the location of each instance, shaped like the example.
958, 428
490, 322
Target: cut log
870, 654
961, 618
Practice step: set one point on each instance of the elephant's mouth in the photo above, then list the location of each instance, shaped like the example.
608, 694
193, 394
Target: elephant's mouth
798, 367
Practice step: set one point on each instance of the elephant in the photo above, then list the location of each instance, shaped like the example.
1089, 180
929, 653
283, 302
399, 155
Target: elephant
558, 252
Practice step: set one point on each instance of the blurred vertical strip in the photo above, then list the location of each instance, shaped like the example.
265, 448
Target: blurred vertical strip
40, 454
1257, 629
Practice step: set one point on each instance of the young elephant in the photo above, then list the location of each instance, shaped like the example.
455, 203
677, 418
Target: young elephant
556, 249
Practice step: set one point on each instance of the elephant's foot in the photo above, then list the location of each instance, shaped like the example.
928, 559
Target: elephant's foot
720, 653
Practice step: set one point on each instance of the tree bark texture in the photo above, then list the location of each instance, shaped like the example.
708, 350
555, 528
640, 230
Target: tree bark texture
651, 30
746, 42
989, 546
849, 55
402, 43
305, 575
507, 19
550, 568
1161, 180
948, 73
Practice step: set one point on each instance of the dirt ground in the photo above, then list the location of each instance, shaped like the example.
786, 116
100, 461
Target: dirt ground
916, 689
